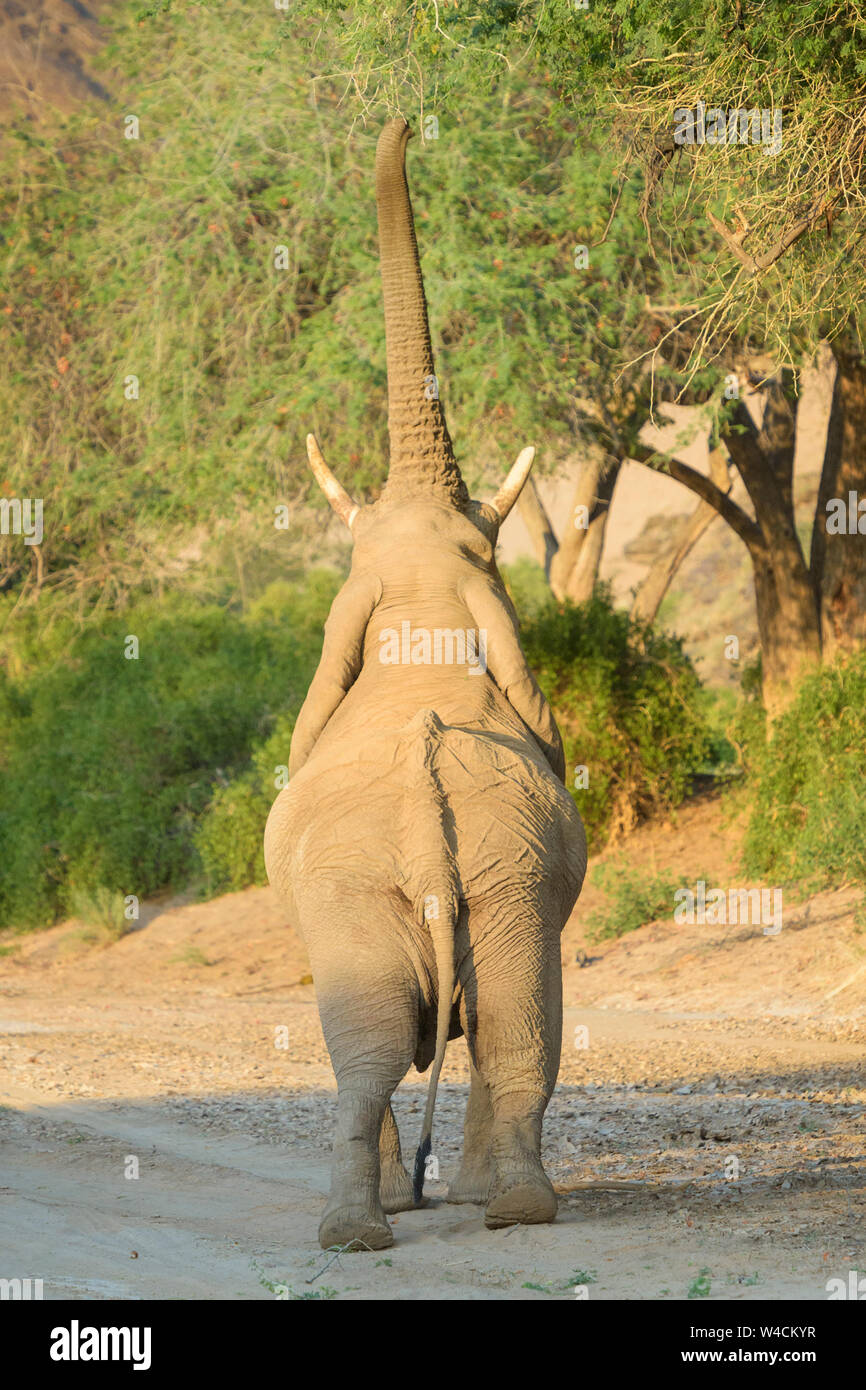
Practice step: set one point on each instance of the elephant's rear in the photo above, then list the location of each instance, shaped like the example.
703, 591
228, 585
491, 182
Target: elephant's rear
425, 810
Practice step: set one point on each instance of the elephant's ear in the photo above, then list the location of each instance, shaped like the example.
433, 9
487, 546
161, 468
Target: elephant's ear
508, 667
339, 666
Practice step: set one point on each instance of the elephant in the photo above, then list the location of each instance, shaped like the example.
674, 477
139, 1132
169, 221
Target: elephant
425, 843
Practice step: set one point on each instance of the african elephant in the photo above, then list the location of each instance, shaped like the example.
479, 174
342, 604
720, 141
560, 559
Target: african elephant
426, 845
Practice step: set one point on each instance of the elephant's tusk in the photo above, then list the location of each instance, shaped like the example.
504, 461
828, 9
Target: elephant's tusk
513, 485
337, 495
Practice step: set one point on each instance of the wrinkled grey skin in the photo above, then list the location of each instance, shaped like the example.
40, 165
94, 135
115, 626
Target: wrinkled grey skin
425, 844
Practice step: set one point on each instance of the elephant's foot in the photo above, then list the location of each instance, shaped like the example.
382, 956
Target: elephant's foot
353, 1217
521, 1191
527, 1198
354, 1227
470, 1185
395, 1191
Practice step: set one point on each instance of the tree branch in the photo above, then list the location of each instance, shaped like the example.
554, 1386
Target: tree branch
704, 487
756, 264
656, 582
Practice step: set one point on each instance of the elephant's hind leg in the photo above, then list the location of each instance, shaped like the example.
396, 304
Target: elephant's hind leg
395, 1187
368, 996
354, 1218
514, 1028
472, 1183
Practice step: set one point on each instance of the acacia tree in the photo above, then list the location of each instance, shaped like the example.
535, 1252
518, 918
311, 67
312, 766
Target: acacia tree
787, 218
790, 218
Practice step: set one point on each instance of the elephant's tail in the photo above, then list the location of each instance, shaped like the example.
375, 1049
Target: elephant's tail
433, 884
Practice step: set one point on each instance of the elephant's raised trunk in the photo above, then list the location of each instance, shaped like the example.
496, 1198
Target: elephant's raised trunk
422, 458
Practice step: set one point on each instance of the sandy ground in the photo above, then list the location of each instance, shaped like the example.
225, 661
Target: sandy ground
712, 1097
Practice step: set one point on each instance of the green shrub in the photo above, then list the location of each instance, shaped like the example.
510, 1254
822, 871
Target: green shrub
722, 710
808, 817
634, 897
109, 763
101, 909
628, 703
229, 838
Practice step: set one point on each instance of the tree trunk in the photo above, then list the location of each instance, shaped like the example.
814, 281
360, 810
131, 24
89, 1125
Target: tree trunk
785, 597
572, 568
838, 558
788, 629
657, 581
583, 578
538, 524
591, 503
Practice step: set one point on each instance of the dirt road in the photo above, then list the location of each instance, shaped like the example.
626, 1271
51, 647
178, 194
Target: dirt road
230, 1182
712, 1094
